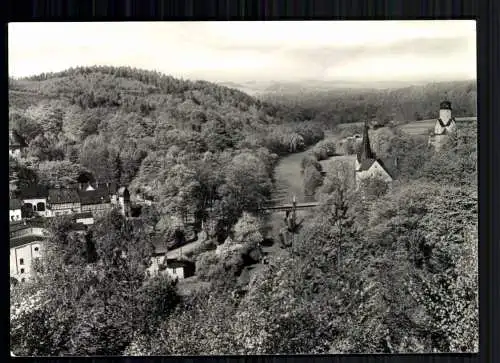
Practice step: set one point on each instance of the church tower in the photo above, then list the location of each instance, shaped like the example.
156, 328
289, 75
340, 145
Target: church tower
367, 164
365, 153
444, 125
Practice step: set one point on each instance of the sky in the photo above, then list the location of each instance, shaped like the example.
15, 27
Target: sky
353, 51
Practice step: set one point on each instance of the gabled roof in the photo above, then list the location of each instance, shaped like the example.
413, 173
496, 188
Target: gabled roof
15, 204
34, 192
97, 196
175, 263
60, 196
110, 187
16, 140
16, 242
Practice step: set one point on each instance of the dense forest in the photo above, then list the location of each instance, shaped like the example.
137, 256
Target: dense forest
413, 103
373, 270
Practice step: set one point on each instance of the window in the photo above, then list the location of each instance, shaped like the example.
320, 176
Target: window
40, 206
22, 270
21, 261
36, 249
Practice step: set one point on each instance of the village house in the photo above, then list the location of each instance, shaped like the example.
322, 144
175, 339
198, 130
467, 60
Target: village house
96, 201
85, 218
63, 201
16, 144
27, 228
23, 252
444, 126
177, 269
35, 198
367, 165
15, 210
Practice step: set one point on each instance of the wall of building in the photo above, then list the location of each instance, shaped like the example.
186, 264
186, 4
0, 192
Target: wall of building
15, 152
21, 259
15, 215
176, 273
445, 115
85, 221
35, 202
97, 208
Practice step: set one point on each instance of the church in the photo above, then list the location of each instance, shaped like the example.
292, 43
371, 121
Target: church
444, 126
367, 165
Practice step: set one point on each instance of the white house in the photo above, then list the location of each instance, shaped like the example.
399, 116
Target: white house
23, 252
15, 210
367, 165
84, 218
175, 268
16, 144
35, 197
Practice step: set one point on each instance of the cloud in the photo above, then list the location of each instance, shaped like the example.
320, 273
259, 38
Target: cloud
251, 50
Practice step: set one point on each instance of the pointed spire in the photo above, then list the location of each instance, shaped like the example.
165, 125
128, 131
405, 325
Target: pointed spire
366, 150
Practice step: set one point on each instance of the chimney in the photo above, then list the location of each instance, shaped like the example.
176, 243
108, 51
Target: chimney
96, 184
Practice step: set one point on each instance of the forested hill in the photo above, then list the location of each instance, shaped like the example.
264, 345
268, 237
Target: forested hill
336, 106
155, 133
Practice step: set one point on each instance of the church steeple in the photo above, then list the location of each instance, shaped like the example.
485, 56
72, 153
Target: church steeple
366, 150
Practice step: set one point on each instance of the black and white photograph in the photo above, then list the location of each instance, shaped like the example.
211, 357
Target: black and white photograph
243, 187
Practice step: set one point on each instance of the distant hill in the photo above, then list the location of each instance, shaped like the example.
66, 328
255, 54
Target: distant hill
346, 105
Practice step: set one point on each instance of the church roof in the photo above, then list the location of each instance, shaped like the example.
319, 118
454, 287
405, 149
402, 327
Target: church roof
366, 164
366, 150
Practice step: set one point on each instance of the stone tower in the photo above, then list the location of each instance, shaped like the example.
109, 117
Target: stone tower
444, 125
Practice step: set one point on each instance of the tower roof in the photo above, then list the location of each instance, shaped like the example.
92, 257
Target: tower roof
366, 152
445, 105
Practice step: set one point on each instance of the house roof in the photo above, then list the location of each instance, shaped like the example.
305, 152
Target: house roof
174, 263
18, 226
110, 187
63, 195
97, 196
33, 192
16, 242
15, 204
16, 140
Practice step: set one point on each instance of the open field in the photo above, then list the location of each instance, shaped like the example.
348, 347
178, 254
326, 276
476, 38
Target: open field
415, 127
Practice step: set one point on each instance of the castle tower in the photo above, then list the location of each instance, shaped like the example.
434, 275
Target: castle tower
444, 125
